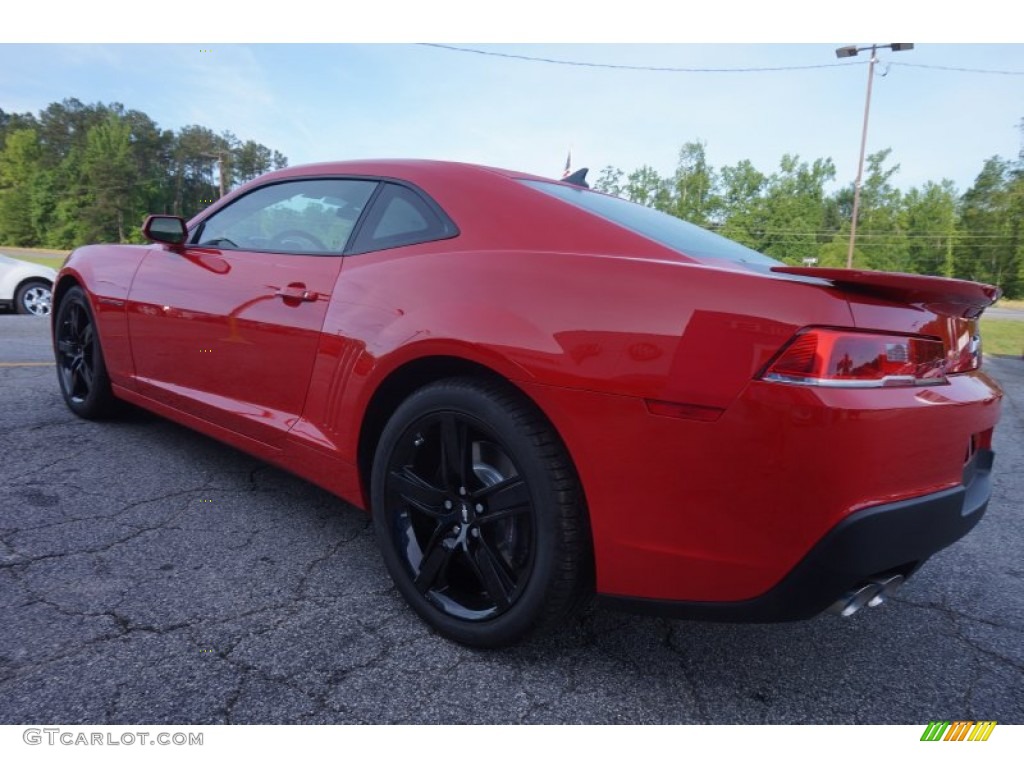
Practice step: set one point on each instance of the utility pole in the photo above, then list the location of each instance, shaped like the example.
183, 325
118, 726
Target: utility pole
219, 157
842, 53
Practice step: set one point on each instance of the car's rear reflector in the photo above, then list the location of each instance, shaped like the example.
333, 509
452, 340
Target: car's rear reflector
683, 410
830, 357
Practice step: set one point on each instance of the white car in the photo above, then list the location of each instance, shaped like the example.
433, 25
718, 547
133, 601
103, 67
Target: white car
25, 287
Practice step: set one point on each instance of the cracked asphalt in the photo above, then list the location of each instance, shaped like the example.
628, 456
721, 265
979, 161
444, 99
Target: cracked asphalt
151, 575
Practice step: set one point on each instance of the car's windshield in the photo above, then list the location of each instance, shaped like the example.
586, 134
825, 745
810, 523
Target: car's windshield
679, 235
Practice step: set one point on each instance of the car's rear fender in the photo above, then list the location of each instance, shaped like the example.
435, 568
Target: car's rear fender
659, 329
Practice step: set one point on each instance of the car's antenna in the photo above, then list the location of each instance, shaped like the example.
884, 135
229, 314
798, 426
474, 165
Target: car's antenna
578, 178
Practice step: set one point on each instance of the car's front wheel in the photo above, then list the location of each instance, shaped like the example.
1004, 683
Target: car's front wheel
81, 371
479, 514
33, 298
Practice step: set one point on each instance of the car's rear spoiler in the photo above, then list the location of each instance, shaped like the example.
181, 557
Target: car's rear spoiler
961, 298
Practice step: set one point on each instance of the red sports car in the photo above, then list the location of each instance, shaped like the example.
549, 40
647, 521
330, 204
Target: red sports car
541, 392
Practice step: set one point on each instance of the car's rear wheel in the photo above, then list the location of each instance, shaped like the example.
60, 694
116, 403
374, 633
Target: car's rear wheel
33, 298
81, 371
479, 514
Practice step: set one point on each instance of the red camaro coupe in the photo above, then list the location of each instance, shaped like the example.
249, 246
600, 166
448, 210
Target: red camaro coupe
541, 392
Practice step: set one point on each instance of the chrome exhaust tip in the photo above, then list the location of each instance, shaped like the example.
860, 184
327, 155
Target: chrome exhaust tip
853, 601
871, 595
888, 585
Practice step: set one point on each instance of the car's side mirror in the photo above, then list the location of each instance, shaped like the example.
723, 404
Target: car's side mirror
165, 229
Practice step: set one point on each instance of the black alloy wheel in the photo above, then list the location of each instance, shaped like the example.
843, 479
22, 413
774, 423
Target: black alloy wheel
479, 515
81, 371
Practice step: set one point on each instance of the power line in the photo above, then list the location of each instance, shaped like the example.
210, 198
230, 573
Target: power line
646, 68
955, 69
634, 67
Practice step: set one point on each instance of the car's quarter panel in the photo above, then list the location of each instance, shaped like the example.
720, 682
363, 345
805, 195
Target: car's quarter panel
105, 272
213, 335
645, 329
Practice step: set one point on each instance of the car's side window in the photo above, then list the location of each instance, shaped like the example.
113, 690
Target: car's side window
401, 216
314, 216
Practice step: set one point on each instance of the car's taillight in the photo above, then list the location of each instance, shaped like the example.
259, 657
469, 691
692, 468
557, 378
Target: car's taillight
830, 357
969, 355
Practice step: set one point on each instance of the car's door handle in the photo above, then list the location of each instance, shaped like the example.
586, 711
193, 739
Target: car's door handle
296, 292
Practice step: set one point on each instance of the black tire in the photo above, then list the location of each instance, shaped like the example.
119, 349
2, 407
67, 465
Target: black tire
479, 514
81, 371
33, 297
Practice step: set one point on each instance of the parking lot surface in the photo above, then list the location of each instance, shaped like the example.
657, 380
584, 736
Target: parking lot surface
151, 575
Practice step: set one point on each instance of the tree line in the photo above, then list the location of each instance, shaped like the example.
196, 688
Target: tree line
789, 214
82, 173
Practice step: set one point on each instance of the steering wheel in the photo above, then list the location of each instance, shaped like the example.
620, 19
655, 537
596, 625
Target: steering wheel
219, 242
280, 237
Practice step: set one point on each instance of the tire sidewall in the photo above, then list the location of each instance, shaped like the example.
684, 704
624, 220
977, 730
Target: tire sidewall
474, 403
99, 399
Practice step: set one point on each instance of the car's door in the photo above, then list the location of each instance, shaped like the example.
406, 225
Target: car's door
227, 328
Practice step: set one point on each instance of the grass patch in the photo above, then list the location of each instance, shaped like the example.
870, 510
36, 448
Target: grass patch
1002, 337
45, 256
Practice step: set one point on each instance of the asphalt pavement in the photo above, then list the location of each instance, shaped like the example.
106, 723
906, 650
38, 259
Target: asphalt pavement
999, 313
151, 575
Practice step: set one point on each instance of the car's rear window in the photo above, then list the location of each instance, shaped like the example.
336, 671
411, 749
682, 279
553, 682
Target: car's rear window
679, 235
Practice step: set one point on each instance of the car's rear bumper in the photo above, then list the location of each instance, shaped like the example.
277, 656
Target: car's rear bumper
875, 542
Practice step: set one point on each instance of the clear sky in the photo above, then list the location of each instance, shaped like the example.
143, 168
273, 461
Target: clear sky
357, 100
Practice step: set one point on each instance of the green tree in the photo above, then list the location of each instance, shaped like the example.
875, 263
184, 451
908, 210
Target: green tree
194, 161
151, 155
646, 187
609, 181
795, 210
19, 169
251, 159
12, 121
931, 228
693, 186
91, 171
110, 175
989, 246
881, 228
742, 203
64, 126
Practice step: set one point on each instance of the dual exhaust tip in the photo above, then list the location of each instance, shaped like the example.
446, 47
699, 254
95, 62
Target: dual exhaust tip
872, 594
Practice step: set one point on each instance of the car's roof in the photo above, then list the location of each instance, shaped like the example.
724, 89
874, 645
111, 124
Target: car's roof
404, 168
